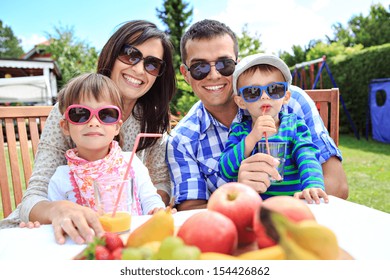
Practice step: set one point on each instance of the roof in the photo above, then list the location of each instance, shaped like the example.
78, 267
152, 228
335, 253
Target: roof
37, 52
29, 67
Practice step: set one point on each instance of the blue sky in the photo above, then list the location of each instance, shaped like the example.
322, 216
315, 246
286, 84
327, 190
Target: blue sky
279, 23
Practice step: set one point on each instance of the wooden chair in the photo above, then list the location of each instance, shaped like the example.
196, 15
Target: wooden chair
328, 101
20, 130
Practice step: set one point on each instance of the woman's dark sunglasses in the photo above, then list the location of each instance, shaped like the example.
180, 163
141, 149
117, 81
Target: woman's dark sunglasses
273, 90
131, 56
200, 70
80, 114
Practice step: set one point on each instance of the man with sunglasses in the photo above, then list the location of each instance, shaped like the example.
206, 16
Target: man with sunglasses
260, 84
195, 145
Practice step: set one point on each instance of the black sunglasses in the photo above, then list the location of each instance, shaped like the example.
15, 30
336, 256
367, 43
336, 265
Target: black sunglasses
273, 90
131, 56
200, 70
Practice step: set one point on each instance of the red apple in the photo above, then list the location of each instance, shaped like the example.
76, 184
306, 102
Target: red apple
238, 202
295, 209
210, 231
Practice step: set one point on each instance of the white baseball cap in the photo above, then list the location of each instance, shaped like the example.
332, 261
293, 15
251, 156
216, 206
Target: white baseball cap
260, 58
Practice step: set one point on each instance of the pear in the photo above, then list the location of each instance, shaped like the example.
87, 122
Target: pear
157, 228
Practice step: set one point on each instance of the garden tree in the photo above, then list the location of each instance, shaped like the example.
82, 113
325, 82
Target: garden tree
341, 35
298, 55
248, 45
73, 57
177, 17
9, 43
331, 50
368, 31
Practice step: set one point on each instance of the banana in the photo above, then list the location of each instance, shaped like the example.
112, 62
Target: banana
316, 238
216, 256
295, 252
157, 228
306, 239
275, 252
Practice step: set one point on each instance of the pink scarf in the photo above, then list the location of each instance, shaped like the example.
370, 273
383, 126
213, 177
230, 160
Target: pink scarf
83, 173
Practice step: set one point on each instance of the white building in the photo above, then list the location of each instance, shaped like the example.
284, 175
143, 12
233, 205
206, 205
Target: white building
31, 80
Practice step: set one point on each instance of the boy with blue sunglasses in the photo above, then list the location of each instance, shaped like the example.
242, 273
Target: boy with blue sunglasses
260, 84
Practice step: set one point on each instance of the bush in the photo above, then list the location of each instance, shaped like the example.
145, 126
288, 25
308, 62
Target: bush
352, 74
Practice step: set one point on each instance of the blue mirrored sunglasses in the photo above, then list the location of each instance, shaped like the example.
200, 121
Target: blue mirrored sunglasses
274, 91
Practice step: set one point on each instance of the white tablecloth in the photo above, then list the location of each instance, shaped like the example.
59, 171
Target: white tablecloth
361, 231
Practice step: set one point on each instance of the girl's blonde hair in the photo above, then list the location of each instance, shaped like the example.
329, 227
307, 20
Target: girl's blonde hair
90, 85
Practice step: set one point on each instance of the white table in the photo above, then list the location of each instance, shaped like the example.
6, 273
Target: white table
361, 231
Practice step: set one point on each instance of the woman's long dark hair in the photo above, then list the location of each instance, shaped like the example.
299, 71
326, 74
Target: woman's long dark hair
154, 115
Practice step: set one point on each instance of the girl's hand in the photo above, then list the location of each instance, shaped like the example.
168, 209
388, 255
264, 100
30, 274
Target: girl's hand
312, 195
155, 210
80, 223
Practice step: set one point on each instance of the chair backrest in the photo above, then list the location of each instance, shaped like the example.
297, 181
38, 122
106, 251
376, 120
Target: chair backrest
20, 130
328, 101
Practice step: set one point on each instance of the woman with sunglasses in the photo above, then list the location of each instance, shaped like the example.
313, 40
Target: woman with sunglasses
92, 117
260, 84
138, 58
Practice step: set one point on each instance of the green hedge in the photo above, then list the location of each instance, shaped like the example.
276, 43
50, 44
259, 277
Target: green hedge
352, 75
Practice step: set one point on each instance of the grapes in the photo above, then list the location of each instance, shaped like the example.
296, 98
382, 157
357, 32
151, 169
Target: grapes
168, 245
131, 254
186, 253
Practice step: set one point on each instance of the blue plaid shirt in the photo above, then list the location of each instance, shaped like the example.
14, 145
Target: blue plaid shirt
196, 143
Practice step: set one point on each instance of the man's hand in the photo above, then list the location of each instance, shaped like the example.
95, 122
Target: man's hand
255, 171
191, 204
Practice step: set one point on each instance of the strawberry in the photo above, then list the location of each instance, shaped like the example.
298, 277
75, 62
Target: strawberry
89, 252
112, 241
117, 254
102, 253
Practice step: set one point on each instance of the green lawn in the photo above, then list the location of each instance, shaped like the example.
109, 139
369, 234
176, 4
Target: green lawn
367, 165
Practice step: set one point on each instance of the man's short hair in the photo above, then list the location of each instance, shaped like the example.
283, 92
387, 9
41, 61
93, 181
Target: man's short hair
206, 29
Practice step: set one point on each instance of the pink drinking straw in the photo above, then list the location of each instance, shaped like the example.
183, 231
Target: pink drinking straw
125, 177
265, 135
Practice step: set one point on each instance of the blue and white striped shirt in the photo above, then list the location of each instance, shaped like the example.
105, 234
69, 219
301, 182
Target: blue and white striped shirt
195, 145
